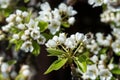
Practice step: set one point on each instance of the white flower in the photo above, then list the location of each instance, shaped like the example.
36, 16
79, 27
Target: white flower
10, 18
45, 6
18, 19
55, 38
27, 46
35, 34
45, 16
61, 38
21, 26
41, 40
31, 24
54, 26
95, 3
93, 46
102, 40
110, 66
71, 20
25, 14
115, 46
4, 67
63, 7
79, 37
6, 28
70, 43
13, 74
27, 32
101, 66
4, 3
56, 14
105, 74
25, 67
19, 12
15, 36
51, 44
26, 72
103, 57
24, 37
92, 72
2, 36
94, 58
70, 11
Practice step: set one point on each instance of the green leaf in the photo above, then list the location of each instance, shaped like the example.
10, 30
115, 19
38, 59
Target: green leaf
90, 62
55, 52
47, 36
43, 26
18, 44
116, 71
81, 65
118, 54
36, 50
1, 76
82, 58
56, 65
103, 51
11, 62
26, 1
65, 24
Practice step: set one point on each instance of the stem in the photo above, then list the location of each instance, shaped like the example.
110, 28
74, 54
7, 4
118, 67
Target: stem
78, 48
64, 49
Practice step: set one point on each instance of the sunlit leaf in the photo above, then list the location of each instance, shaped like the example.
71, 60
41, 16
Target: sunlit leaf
36, 50
43, 26
81, 65
11, 62
26, 1
56, 65
116, 71
55, 52
65, 24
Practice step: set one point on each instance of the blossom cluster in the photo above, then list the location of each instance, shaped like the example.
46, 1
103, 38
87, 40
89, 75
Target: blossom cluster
100, 68
7, 70
69, 43
4, 3
112, 17
61, 16
24, 30
108, 3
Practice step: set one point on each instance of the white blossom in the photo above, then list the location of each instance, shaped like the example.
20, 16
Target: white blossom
35, 34
4, 3
51, 44
18, 19
4, 67
94, 58
24, 37
27, 46
41, 40
45, 6
91, 73
26, 72
18, 12
21, 26
71, 20
70, 43
54, 26
61, 38
15, 36
25, 14
105, 74
110, 66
